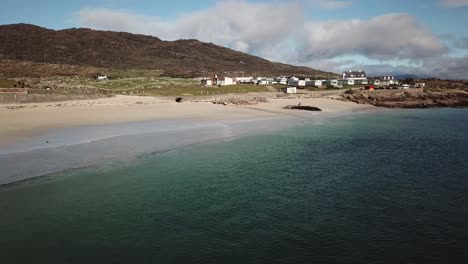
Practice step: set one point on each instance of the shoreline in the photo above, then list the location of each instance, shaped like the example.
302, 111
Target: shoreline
23, 121
38, 140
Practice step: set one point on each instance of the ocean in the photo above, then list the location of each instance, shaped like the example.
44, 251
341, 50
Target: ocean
381, 187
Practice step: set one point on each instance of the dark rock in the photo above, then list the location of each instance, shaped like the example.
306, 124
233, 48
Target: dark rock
303, 107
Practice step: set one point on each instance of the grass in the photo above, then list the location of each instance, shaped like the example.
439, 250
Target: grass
204, 91
5, 83
153, 86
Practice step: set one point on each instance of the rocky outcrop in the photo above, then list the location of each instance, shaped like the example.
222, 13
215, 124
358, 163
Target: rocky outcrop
303, 107
240, 100
415, 98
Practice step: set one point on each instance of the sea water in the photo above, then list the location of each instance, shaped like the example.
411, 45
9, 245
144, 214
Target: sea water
388, 187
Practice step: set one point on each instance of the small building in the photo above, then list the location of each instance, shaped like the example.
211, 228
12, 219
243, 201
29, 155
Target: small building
354, 75
283, 81
318, 83
225, 81
289, 90
102, 77
419, 85
374, 81
331, 82
347, 82
361, 82
244, 80
207, 82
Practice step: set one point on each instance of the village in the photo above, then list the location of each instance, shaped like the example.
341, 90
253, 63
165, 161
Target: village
351, 79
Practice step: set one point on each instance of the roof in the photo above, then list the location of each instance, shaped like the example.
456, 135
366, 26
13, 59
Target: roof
354, 74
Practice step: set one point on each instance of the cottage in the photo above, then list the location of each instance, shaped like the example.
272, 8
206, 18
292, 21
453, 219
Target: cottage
102, 77
283, 81
225, 81
331, 82
354, 75
244, 80
348, 82
207, 82
374, 81
289, 90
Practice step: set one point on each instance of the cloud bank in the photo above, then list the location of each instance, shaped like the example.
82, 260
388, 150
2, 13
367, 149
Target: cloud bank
453, 3
280, 32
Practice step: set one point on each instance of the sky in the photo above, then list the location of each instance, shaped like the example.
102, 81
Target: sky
382, 37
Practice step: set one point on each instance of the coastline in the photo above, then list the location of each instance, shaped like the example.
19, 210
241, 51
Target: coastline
39, 139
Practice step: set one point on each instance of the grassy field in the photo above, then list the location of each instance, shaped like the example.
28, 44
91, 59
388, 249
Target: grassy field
5, 83
199, 90
153, 86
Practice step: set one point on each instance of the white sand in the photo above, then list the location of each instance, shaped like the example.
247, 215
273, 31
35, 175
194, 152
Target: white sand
19, 122
38, 139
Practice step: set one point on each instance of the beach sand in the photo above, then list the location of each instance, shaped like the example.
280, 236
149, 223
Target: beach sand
44, 138
22, 121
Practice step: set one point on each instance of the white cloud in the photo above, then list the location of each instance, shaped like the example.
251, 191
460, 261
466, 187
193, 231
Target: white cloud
330, 4
245, 26
383, 37
453, 3
280, 32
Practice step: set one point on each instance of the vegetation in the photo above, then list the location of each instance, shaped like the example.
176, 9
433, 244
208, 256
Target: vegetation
5, 83
153, 86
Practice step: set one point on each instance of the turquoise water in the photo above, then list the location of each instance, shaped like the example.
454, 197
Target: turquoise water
388, 187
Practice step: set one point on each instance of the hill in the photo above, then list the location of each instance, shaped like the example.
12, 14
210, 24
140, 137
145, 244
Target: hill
119, 50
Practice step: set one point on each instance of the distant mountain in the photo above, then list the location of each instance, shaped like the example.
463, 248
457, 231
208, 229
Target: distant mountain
119, 50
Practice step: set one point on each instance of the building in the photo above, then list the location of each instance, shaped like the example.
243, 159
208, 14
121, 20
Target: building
244, 80
225, 81
331, 82
283, 81
207, 82
354, 75
297, 83
387, 80
374, 81
346, 82
289, 90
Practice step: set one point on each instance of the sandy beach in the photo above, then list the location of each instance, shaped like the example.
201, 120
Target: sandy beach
20, 121
44, 138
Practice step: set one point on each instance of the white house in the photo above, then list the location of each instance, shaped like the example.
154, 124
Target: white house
297, 83
283, 81
289, 90
293, 81
244, 79
207, 82
331, 82
354, 75
375, 81
225, 81
102, 77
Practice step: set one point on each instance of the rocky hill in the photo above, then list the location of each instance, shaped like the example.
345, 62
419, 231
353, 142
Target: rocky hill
119, 50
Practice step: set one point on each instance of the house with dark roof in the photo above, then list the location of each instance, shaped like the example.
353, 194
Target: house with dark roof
354, 75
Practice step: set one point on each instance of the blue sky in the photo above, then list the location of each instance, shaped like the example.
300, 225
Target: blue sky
426, 37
